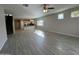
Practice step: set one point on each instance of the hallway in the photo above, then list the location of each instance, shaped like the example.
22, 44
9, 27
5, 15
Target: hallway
40, 43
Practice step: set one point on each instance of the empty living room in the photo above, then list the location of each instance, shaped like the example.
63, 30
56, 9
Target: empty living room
39, 29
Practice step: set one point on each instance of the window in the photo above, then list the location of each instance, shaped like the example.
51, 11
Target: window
75, 13
40, 22
61, 16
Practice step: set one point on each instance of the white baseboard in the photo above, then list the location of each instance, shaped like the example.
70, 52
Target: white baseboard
3, 44
67, 34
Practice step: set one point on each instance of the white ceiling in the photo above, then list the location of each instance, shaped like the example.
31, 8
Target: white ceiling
34, 10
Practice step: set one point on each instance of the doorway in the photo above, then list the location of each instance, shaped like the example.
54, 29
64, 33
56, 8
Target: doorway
17, 25
9, 24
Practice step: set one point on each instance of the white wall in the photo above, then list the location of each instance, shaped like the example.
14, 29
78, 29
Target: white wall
3, 35
22, 24
13, 25
68, 26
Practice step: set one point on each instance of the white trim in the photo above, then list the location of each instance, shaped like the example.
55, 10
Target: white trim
3, 44
62, 33
66, 34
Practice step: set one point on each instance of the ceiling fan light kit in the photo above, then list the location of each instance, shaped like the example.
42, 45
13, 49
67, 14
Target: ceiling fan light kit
45, 8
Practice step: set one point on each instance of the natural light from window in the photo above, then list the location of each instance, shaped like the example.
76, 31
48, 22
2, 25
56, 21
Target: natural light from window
39, 32
40, 23
75, 13
60, 16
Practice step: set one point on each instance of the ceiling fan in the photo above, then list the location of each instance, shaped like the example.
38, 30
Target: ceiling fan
46, 8
26, 5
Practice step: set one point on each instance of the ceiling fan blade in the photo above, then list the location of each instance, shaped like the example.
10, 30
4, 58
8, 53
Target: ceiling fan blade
51, 8
26, 5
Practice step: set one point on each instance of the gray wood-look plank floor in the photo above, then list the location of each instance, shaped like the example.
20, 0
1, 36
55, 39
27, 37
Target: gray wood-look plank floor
40, 43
